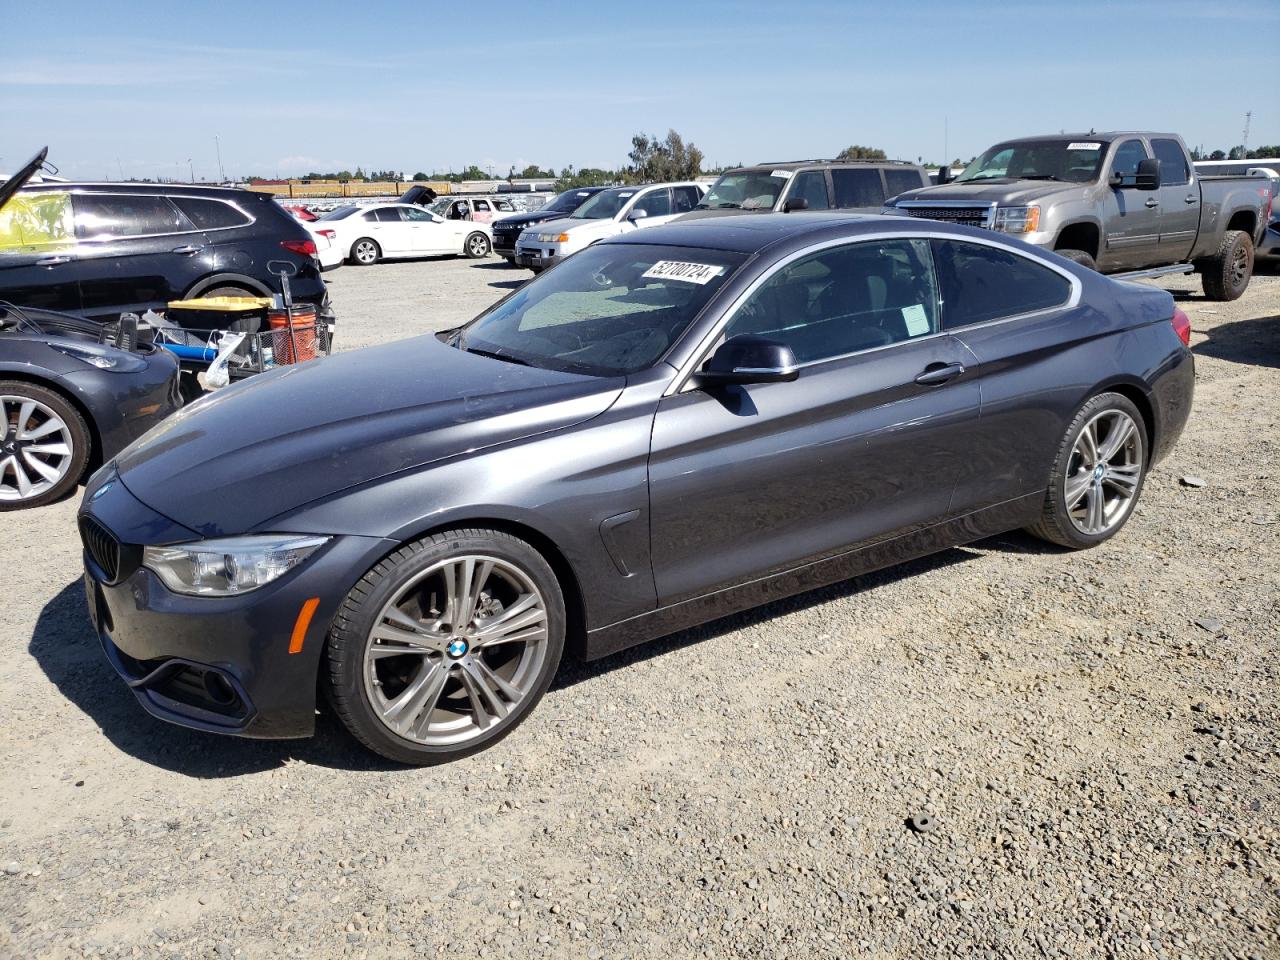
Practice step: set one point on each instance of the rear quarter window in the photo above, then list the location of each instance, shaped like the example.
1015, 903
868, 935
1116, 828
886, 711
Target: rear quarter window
210, 214
979, 283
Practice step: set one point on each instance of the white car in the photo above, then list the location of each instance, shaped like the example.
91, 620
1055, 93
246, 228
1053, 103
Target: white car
477, 209
328, 252
607, 214
388, 231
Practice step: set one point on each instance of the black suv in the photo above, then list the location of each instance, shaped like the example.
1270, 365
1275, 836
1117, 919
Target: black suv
858, 186
507, 229
98, 249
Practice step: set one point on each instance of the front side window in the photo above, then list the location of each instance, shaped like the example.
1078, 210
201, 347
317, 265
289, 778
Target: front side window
845, 299
656, 203
1173, 162
1128, 155
811, 185
210, 214
387, 215
610, 309
858, 188
417, 216
36, 222
110, 216
981, 283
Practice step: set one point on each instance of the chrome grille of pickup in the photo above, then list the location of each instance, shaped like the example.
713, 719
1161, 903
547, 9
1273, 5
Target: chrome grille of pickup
968, 215
102, 546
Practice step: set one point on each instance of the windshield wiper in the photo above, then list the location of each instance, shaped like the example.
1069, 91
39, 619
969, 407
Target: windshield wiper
701, 206
728, 205
1041, 176
495, 355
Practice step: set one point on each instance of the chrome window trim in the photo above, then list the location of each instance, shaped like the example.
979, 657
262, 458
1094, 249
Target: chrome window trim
683, 378
163, 196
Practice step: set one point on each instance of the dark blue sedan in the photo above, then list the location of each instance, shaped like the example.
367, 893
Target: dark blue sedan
668, 427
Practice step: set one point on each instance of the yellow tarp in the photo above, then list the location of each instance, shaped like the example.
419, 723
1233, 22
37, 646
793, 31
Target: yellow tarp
37, 221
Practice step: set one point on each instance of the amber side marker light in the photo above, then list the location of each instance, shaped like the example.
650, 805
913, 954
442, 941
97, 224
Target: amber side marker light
300, 625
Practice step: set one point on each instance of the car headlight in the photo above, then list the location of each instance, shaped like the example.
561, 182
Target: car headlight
102, 358
553, 238
221, 568
1017, 219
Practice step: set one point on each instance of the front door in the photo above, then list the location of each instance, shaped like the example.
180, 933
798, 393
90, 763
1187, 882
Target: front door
429, 235
867, 443
1131, 217
656, 207
1179, 201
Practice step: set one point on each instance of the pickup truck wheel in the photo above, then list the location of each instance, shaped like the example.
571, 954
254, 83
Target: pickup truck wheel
1078, 256
1226, 274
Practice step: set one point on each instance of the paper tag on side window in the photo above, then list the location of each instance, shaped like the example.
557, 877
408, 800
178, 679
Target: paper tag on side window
698, 273
916, 319
1084, 146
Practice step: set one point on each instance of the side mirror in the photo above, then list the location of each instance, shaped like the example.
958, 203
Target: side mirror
749, 359
945, 175
795, 203
1148, 176
637, 214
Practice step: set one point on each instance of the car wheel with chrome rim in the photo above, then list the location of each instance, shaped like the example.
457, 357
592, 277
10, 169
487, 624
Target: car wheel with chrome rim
445, 646
1098, 476
44, 445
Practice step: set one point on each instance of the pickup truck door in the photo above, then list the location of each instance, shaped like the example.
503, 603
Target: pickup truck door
1131, 220
1179, 197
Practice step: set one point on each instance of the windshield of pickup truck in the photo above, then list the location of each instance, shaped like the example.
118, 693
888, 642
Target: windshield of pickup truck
605, 204
1070, 161
744, 191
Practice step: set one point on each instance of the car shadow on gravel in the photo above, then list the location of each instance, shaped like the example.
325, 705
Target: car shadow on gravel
576, 672
1255, 342
67, 650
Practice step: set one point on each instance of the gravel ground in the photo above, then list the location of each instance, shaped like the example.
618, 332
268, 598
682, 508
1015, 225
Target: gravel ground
1092, 736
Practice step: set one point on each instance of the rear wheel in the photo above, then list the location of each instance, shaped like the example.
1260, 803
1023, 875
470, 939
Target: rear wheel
444, 647
365, 252
1098, 475
44, 445
477, 246
229, 290
1225, 275
1080, 257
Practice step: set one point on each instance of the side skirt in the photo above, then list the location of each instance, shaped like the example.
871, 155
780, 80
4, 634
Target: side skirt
987, 522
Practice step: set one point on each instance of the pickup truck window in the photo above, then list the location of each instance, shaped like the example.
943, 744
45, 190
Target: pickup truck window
981, 283
1128, 155
1173, 162
812, 185
857, 188
745, 191
1070, 161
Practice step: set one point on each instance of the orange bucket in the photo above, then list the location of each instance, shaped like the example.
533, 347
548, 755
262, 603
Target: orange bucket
304, 334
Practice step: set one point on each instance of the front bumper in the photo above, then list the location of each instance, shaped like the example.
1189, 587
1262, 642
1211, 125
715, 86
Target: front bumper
220, 664
538, 256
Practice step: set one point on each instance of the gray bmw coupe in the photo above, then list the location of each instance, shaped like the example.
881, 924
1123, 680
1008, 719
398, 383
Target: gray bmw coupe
668, 427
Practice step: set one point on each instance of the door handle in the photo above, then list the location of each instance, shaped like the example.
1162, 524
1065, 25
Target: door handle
939, 373
52, 261
1153, 202
1191, 199
187, 250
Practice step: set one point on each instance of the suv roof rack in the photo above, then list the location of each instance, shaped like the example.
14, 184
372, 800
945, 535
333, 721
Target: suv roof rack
778, 163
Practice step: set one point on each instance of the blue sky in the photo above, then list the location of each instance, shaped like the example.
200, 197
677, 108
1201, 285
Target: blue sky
140, 87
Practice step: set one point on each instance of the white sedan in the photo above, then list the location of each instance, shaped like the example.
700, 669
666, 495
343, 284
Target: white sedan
388, 231
328, 251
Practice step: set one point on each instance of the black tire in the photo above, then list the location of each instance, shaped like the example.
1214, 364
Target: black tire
476, 246
80, 441
354, 621
365, 252
1055, 523
1080, 257
1225, 275
229, 290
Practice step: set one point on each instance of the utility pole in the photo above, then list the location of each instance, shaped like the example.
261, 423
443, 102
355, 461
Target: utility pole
192, 169
1244, 137
222, 177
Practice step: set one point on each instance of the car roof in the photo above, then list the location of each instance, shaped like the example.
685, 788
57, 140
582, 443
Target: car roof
754, 233
147, 188
801, 164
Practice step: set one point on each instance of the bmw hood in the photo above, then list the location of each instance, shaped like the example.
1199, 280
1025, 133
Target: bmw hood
280, 440
1005, 191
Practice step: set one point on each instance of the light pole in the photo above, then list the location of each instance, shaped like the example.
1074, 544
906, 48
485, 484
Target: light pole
222, 177
192, 169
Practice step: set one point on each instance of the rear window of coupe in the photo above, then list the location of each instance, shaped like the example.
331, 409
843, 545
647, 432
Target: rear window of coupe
979, 283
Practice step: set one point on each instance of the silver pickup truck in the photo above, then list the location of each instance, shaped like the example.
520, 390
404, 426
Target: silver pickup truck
1118, 202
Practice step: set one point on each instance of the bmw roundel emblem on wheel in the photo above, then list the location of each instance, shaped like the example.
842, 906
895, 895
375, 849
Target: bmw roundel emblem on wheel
667, 427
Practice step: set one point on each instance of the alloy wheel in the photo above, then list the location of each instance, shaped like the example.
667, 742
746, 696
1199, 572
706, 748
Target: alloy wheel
1104, 472
366, 252
455, 650
479, 246
36, 448
1240, 265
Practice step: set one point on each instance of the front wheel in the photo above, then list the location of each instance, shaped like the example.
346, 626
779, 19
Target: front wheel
1225, 275
365, 252
1098, 474
444, 647
477, 246
44, 445
1080, 257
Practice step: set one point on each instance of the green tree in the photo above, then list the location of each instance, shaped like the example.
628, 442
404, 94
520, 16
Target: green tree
571, 179
861, 153
1217, 155
656, 161
420, 176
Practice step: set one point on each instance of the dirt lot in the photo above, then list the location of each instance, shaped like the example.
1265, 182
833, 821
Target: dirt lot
1094, 735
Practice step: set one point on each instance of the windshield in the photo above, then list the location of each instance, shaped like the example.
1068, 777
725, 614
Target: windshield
340, 214
567, 202
611, 309
745, 191
1071, 161
605, 204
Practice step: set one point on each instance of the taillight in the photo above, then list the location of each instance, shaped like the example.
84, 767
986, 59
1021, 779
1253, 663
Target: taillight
1182, 326
306, 248
328, 234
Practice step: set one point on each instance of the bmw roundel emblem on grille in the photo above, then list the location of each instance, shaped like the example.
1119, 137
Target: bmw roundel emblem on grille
457, 648
97, 494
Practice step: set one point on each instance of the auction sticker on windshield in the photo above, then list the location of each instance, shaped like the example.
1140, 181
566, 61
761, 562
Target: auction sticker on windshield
1084, 146
698, 273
